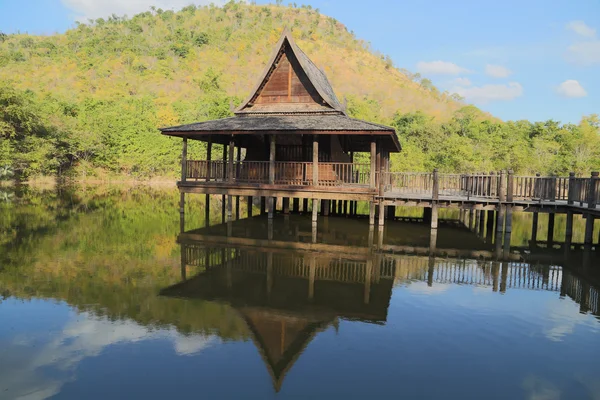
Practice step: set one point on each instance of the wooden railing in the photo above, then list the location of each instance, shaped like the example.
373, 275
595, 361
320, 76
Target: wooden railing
505, 187
285, 172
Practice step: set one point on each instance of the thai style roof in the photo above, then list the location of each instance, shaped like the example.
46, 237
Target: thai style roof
292, 96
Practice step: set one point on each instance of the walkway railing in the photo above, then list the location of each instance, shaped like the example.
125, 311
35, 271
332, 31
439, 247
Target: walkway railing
502, 187
289, 173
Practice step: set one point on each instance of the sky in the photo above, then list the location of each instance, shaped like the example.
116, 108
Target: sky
526, 59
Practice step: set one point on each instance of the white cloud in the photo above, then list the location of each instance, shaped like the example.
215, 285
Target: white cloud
486, 93
87, 336
584, 53
93, 9
581, 28
462, 82
571, 88
497, 71
440, 68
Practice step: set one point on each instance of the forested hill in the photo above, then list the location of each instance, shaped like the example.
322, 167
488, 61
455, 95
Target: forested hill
89, 101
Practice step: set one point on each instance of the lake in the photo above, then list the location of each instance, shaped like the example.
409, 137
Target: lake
106, 293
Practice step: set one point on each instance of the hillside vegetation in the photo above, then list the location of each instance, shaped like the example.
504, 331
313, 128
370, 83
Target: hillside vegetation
89, 101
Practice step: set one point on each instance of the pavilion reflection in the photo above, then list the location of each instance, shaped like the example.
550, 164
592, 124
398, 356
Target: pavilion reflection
289, 282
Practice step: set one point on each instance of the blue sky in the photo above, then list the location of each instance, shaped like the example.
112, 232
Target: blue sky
527, 59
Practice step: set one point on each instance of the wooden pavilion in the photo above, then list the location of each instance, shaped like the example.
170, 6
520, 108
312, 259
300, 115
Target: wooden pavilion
298, 143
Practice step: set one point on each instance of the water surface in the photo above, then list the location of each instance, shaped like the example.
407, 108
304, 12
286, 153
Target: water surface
103, 296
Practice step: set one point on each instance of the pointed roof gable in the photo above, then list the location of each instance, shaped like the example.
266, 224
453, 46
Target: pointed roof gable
304, 71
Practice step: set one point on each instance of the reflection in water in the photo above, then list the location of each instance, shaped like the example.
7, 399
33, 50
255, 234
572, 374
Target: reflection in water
99, 300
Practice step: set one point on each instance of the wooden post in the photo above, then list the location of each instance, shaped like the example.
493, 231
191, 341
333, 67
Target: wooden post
373, 163
501, 206
551, 218
481, 223
207, 210
381, 213
208, 158
434, 216
230, 179
569, 229
371, 213
571, 193
263, 205
304, 205
271, 173
591, 200
315, 160
502, 187
489, 225
223, 201
435, 194
286, 205
333, 206
237, 174
325, 208
345, 211
534, 227
184, 160
315, 210
510, 186
250, 202
471, 219
296, 205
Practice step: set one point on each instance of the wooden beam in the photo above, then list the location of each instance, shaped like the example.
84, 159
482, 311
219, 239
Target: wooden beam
184, 160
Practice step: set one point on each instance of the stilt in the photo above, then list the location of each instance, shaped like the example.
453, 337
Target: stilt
434, 216
296, 205
182, 212
325, 210
237, 207
305, 205
314, 229
481, 223
207, 210
371, 213
495, 275
249, 198
263, 205
551, 218
346, 208
504, 277
340, 207
589, 230
333, 205
229, 208
286, 205
315, 210
271, 206
471, 219
223, 206
381, 214
534, 228
490, 226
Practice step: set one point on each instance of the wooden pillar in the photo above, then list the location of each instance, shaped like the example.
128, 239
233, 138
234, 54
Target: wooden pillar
471, 219
381, 213
230, 179
237, 174
286, 205
501, 207
315, 210
315, 177
223, 201
371, 212
569, 229
333, 206
481, 222
263, 205
345, 211
551, 218
591, 201
207, 210
490, 225
373, 163
435, 195
296, 205
325, 208
304, 205
534, 227
184, 160
250, 202
271, 201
